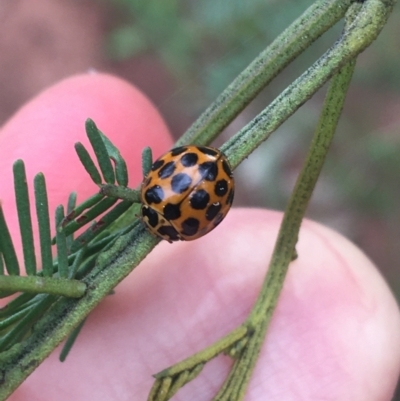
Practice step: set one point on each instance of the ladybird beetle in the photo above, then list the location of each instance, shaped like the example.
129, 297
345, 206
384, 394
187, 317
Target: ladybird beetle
187, 193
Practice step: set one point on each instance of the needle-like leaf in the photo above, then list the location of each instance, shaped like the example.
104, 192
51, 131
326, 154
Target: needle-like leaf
7, 247
100, 150
42, 212
24, 217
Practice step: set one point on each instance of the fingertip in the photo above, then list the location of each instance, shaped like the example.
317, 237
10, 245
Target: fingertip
43, 133
44, 130
334, 333
336, 326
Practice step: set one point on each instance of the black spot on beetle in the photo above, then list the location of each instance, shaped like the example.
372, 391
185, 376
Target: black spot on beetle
190, 226
208, 151
171, 211
212, 211
170, 232
180, 183
167, 170
229, 199
221, 187
189, 159
199, 199
152, 216
157, 164
218, 219
178, 151
227, 168
154, 194
208, 171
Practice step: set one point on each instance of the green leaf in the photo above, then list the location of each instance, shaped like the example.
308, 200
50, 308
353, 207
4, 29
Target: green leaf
24, 217
121, 171
62, 254
100, 150
7, 247
42, 212
88, 163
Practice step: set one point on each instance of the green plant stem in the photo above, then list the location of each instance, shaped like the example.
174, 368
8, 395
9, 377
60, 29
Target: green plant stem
16, 305
43, 285
285, 246
78, 210
205, 355
89, 215
316, 20
115, 191
354, 40
102, 224
363, 31
18, 331
131, 248
14, 318
287, 238
255, 326
113, 265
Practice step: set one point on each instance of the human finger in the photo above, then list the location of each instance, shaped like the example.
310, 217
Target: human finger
333, 335
44, 131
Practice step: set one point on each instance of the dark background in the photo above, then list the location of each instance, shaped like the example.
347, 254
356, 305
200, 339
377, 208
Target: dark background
183, 53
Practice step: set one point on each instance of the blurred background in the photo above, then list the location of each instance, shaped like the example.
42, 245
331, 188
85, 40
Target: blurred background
182, 54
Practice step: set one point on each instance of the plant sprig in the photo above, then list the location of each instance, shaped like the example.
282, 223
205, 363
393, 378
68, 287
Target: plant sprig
101, 261
244, 343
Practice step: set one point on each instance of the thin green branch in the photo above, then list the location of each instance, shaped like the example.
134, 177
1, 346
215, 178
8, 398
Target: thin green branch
15, 317
78, 210
288, 234
354, 40
236, 383
89, 215
17, 332
16, 305
316, 20
103, 223
86, 266
129, 249
115, 191
205, 355
43, 285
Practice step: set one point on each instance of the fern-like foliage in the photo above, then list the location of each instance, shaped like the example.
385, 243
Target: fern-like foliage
89, 265
60, 276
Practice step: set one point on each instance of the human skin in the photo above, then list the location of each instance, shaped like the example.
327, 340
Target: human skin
335, 332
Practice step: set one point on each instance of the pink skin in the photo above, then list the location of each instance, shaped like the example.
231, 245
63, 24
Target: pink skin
334, 336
